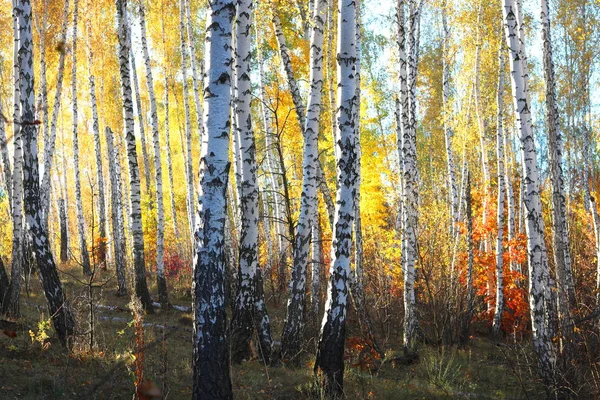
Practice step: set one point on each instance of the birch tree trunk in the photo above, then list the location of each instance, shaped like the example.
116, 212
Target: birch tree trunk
6, 167
330, 353
98, 153
160, 228
465, 335
10, 305
64, 236
300, 108
189, 172
141, 288
59, 308
85, 256
291, 340
497, 322
510, 198
64, 230
197, 102
211, 355
410, 178
118, 227
248, 306
317, 260
49, 147
447, 116
273, 168
43, 101
539, 275
141, 120
560, 234
169, 159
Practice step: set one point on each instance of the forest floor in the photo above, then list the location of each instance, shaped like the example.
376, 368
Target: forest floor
33, 365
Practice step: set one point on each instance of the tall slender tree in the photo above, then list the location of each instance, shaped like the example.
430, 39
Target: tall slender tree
249, 305
135, 214
293, 327
85, 256
560, 234
58, 305
410, 173
118, 228
160, 208
496, 324
97, 147
189, 172
447, 119
211, 373
539, 275
50, 144
330, 353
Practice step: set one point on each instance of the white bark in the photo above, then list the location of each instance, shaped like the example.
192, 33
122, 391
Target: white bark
49, 147
6, 167
211, 358
197, 102
58, 306
300, 108
331, 342
293, 327
169, 160
189, 172
249, 302
135, 210
85, 257
560, 234
10, 304
317, 257
497, 322
539, 279
410, 173
510, 198
160, 208
447, 117
98, 150
141, 119
118, 227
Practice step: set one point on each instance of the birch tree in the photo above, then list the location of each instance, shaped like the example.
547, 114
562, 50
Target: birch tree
211, 376
410, 174
447, 115
141, 120
97, 147
50, 145
560, 234
539, 275
293, 327
249, 305
85, 256
300, 107
160, 229
188, 125
273, 168
496, 324
141, 288
6, 167
118, 228
330, 353
194, 65
58, 306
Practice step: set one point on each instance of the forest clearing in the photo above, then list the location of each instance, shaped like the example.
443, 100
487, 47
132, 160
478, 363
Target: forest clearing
279, 199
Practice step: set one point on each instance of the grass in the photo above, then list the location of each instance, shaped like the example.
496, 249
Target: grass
41, 369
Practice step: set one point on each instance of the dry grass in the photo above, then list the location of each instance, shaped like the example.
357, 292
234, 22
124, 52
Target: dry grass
43, 370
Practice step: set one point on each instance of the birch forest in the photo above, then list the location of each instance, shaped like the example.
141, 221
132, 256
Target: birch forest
288, 199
